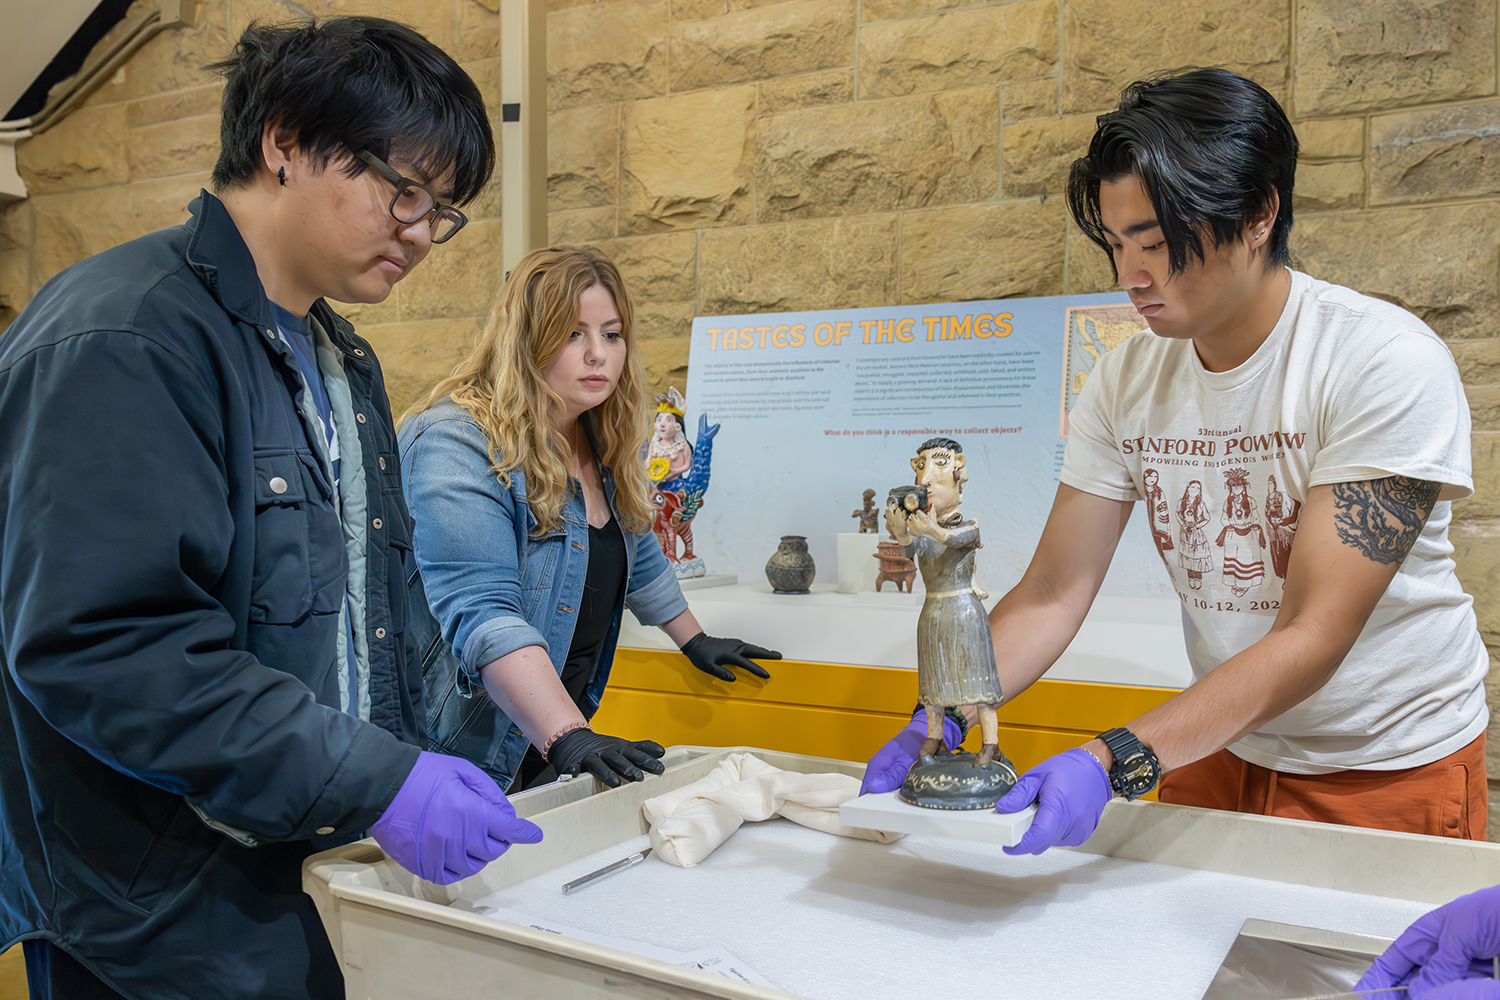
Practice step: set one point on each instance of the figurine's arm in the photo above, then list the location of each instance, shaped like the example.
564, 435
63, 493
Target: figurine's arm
924, 525
965, 536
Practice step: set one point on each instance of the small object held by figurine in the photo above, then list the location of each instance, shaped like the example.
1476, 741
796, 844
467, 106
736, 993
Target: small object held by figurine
909, 498
958, 781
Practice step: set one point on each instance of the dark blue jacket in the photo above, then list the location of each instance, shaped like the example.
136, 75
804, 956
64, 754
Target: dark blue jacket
170, 737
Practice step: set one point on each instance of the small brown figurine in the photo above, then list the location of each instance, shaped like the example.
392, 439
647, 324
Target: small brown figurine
869, 517
894, 567
955, 653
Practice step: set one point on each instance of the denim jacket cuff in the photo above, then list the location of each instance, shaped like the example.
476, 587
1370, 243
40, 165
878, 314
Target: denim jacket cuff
493, 639
659, 601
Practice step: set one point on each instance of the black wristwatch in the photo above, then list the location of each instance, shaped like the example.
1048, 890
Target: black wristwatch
1136, 769
955, 715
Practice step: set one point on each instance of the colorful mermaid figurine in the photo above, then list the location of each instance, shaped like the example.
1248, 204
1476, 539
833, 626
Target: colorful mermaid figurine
679, 474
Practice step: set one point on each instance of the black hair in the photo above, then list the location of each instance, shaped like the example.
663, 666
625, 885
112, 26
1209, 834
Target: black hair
941, 442
347, 84
1210, 148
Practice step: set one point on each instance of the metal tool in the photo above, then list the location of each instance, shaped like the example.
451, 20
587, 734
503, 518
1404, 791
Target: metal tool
606, 871
1271, 959
1392, 992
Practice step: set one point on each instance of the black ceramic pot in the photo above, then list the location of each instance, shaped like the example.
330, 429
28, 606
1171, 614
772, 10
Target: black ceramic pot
790, 568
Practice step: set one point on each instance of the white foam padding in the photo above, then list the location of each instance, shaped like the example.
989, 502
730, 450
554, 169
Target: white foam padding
839, 919
887, 812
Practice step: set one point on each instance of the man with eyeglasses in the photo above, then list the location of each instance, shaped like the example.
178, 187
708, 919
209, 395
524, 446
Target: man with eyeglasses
212, 667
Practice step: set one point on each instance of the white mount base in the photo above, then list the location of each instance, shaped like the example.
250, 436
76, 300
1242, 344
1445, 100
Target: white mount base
884, 811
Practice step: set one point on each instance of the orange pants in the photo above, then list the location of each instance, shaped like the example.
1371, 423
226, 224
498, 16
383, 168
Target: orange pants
1447, 798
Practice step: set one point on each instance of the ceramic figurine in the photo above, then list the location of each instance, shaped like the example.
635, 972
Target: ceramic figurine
679, 477
869, 517
790, 569
955, 654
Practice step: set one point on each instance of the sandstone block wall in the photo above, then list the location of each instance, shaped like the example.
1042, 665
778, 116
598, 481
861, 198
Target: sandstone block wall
757, 155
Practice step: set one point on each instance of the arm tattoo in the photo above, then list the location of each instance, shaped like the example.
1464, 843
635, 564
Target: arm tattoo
1382, 517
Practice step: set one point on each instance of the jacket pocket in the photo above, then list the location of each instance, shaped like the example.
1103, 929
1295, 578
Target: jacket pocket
299, 544
540, 571
180, 846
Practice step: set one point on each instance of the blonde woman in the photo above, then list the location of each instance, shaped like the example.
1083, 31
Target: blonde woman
523, 473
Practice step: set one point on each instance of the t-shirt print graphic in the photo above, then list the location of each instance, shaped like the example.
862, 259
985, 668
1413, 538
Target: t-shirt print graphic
1252, 536
1242, 538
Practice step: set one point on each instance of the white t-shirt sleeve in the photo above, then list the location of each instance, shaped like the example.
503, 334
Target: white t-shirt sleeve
1092, 461
1402, 414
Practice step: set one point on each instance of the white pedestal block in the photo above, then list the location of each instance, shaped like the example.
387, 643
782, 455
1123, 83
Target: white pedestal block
884, 811
709, 580
857, 562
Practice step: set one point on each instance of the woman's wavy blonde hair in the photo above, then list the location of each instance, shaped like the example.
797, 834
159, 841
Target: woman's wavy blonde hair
501, 384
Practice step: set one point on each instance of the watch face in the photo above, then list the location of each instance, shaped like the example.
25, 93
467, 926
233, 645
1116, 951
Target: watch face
1136, 775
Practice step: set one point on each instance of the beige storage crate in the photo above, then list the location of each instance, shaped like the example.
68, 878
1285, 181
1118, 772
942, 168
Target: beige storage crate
398, 938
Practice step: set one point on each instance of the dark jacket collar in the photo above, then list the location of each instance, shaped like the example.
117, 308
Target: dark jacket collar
218, 254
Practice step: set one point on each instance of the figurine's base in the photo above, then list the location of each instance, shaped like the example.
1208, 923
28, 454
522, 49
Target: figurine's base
774, 591
956, 781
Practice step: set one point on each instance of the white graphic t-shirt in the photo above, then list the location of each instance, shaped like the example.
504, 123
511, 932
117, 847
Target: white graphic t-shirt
1346, 388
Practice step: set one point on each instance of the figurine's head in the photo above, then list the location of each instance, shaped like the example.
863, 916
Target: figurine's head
668, 427
869, 499
939, 466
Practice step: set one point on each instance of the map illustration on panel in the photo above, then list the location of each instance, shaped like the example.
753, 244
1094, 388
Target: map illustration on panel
1089, 331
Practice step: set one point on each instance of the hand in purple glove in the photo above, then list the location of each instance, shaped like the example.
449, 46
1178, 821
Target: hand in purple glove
887, 769
449, 820
1070, 791
1455, 943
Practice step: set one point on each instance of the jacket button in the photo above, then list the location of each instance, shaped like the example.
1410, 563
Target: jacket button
382, 464
278, 485
377, 523
324, 831
380, 633
360, 417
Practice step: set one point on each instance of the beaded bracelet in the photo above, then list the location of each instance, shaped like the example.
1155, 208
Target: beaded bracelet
547, 747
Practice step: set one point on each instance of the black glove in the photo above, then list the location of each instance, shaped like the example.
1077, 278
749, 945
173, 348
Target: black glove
711, 655
607, 758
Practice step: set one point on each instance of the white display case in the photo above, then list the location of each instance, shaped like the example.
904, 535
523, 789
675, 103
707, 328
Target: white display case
399, 937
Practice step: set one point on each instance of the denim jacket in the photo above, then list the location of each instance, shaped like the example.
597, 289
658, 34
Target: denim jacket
495, 587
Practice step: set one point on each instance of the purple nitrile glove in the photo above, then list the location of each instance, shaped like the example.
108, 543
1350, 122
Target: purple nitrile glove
1070, 791
887, 769
449, 820
1453, 944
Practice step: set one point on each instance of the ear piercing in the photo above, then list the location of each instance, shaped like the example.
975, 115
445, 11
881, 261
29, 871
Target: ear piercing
281, 176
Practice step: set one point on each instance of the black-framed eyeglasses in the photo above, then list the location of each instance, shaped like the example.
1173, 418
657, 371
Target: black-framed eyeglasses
413, 201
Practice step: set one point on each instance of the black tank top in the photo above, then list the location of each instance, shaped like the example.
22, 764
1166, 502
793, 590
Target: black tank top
602, 585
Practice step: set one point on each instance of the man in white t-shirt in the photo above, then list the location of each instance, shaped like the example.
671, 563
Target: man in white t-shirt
1307, 441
